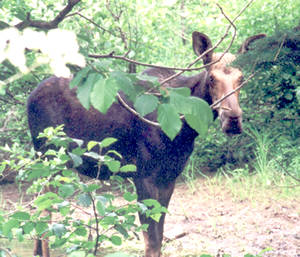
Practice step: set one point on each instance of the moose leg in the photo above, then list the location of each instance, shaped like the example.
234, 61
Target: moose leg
147, 189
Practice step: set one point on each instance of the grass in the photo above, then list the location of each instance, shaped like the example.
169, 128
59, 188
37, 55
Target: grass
275, 169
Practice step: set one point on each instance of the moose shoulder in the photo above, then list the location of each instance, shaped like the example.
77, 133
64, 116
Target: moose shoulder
159, 160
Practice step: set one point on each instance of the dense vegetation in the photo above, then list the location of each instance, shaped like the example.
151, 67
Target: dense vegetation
159, 32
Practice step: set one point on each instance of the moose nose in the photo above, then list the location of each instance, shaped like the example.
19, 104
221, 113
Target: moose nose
232, 113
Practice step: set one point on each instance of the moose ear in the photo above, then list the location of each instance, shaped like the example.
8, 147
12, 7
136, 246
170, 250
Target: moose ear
201, 43
245, 46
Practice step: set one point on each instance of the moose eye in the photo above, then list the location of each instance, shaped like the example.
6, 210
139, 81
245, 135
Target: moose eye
211, 79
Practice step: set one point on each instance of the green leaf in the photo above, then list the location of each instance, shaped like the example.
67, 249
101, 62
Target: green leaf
200, 116
58, 229
82, 74
9, 225
38, 170
91, 188
77, 160
59, 242
181, 102
113, 165
2, 89
84, 90
19, 234
155, 216
66, 190
128, 168
169, 120
41, 227
84, 200
93, 155
100, 208
130, 196
146, 104
28, 227
103, 94
124, 83
92, 144
21, 215
47, 200
116, 240
121, 230
151, 202
68, 173
108, 141
200, 126
184, 91
81, 231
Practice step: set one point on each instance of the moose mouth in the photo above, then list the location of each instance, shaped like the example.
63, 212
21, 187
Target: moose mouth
232, 126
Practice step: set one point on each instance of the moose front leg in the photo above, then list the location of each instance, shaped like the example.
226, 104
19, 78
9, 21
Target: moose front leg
147, 189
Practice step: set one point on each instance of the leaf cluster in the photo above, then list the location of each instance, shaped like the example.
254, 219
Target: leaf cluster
106, 222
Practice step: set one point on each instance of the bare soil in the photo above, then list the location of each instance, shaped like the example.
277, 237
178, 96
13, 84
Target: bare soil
212, 220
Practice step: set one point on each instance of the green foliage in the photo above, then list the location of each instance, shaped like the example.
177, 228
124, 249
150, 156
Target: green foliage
100, 91
156, 32
106, 221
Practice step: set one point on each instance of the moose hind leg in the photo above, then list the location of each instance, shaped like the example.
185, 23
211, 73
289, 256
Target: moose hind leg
147, 189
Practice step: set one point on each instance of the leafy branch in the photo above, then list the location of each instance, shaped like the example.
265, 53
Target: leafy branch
214, 105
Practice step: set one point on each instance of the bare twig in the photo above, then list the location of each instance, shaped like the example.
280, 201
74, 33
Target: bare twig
96, 223
231, 24
287, 172
183, 234
112, 55
92, 22
47, 25
280, 47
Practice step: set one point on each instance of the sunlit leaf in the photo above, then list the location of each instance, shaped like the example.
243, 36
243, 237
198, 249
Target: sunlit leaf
146, 104
169, 120
116, 240
66, 190
58, 229
21, 215
80, 76
91, 144
128, 168
108, 141
100, 208
130, 196
113, 165
84, 199
77, 160
84, 90
103, 94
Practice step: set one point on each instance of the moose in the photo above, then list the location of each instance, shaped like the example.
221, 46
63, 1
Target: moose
159, 160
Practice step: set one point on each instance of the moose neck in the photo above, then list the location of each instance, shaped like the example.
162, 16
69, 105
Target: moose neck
200, 86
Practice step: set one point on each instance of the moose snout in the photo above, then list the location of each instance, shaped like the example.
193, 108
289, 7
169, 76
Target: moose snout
231, 121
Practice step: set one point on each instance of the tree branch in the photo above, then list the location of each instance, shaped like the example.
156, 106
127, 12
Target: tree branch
231, 24
47, 25
113, 56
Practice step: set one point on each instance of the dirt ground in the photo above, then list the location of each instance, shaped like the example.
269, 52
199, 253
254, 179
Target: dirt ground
211, 220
